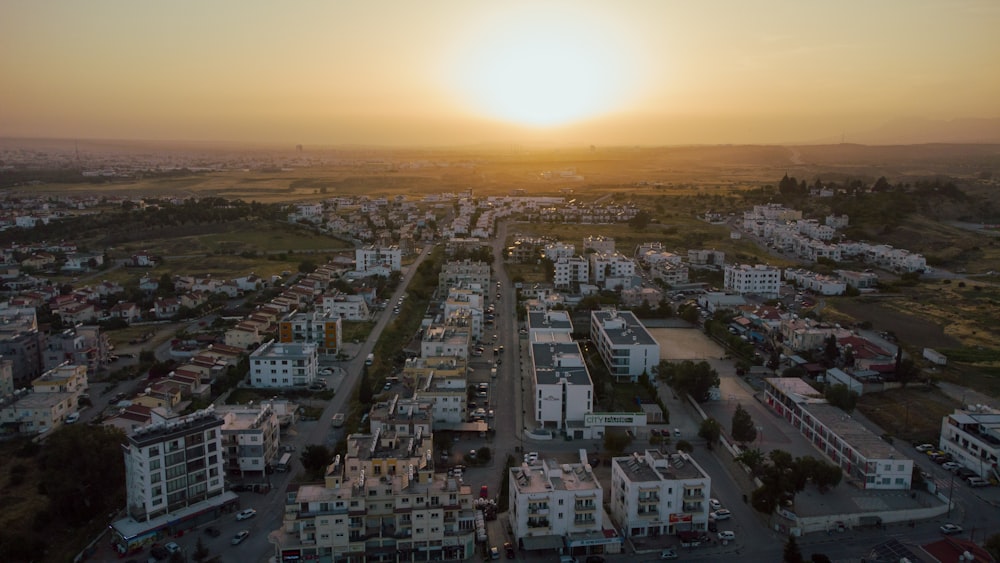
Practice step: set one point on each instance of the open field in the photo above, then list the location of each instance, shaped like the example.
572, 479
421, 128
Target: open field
911, 414
685, 344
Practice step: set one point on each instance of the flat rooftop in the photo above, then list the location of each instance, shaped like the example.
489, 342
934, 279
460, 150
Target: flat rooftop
658, 466
554, 361
548, 475
623, 328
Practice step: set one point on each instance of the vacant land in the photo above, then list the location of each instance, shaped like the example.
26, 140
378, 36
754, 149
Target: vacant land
685, 344
912, 414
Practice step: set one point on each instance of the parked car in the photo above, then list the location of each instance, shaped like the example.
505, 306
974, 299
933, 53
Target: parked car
950, 466
72, 417
508, 548
484, 492
951, 529
246, 514
668, 554
595, 559
240, 536
925, 447
714, 504
172, 547
727, 535
494, 552
721, 514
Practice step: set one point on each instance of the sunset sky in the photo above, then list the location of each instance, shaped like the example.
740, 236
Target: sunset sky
467, 71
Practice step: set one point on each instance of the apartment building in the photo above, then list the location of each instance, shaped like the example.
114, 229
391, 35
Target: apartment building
569, 271
442, 382
656, 493
865, 457
549, 322
559, 507
599, 243
172, 464
760, 279
251, 437
972, 436
611, 270
174, 479
350, 307
817, 283
278, 364
464, 273
322, 329
381, 502
563, 390
556, 250
446, 340
624, 344
380, 261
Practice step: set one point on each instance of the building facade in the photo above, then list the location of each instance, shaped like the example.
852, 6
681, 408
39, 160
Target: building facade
655, 493
626, 347
323, 329
972, 437
251, 437
284, 364
760, 279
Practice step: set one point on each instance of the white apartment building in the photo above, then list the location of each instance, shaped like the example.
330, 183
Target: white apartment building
624, 343
381, 502
465, 273
284, 364
350, 307
377, 260
556, 250
446, 340
611, 268
323, 329
599, 243
549, 321
659, 494
251, 437
818, 283
465, 307
171, 465
563, 391
707, 258
412, 417
972, 437
865, 457
760, 280
670, 273
442, 382
559, 507
568, 271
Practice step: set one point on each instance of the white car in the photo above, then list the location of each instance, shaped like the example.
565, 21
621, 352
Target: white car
727, 535
172, 547
949, 465
531, 457
925, 448
951, 529
240, 536
72, 417
668, 554
714, 504
722, 514
246, 514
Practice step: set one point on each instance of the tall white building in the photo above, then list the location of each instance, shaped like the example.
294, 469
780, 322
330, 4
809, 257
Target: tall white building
556, 250
170, 465
760, 279
464, 273
611, 269
378, 260
284, 364
563, 390
570, 270
559, 507
628, 349
654, 494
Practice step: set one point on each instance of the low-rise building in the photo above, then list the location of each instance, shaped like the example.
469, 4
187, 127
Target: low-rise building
972, 436
321, 328
559, 507
864, 456
656, 494
283, 365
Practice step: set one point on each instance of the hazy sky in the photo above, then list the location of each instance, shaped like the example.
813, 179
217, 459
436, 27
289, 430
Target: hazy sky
470, 71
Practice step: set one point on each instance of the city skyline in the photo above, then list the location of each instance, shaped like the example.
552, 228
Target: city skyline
447, 73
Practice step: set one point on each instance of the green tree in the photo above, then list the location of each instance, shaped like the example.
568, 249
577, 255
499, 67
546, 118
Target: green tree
840, 396
753, 458
907, 371
201, 552
743, 430
640, 221
307, 266
315, 458
710, 431
616, 442
79, 481
791, 553
830, 351
689, 378
684, 446
365, 390
992, 545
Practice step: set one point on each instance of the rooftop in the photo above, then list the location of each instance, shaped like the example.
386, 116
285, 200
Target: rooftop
658, 466
556, 360
550, 476
623, 328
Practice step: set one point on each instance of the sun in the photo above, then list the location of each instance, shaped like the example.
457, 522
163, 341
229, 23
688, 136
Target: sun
545, 71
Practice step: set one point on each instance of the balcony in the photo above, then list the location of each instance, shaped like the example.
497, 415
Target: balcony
538, 523
585, 506
692, 507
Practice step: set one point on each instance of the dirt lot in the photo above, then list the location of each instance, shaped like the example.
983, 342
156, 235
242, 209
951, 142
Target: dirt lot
685, 344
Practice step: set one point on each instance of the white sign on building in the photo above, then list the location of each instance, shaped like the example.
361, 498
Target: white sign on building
615, 419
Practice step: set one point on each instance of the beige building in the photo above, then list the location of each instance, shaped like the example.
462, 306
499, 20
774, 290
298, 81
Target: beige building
251, 437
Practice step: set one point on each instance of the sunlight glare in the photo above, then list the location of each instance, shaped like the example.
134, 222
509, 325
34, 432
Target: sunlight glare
546, 71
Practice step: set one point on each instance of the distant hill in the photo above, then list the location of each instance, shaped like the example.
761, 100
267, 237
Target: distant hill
919, 131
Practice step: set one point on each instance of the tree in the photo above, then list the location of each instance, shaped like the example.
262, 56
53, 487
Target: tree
743, 429
840, 396
689, 378
77, 477
992, 545
201, 552
640, 221
684, 446
791, 553
307, 266
710, 430
907, 371
365, 387
616, 442
315, 458
830, 351
820, 558
752, 458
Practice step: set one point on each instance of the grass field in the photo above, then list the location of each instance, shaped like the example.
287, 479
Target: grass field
911, 414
